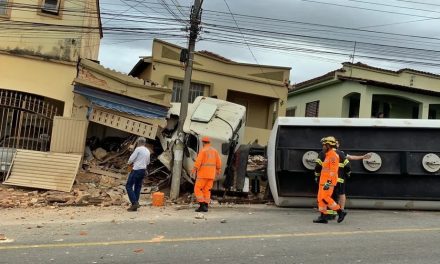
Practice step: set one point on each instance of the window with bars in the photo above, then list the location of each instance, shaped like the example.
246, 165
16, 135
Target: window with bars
51, 7
3, 7
291, 111
312, 109
196, 89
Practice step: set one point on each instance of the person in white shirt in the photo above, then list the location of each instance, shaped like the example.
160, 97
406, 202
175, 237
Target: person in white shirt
139, 160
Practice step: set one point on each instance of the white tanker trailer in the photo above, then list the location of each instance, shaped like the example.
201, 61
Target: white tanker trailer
402, 173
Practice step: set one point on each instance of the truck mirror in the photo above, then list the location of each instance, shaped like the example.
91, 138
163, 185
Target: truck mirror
225, 148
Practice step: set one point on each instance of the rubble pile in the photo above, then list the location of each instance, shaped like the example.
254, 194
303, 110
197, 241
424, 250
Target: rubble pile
256, 162
101, 181
103, 175
89, 189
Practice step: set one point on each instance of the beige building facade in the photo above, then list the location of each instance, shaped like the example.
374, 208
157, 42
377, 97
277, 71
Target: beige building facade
40, 44
360, 90
261, 89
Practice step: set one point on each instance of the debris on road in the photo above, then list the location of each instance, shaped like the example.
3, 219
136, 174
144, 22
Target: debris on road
139, 250
199, 216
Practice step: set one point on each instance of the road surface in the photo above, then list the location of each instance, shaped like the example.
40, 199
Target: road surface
238, 234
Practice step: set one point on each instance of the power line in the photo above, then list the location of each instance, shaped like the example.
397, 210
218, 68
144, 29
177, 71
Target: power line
388, 5
419, 3
367, 9
252, 53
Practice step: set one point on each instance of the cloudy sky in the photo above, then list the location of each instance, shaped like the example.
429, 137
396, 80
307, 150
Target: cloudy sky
311, 36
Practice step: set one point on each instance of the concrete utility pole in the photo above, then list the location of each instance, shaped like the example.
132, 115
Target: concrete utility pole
179, 145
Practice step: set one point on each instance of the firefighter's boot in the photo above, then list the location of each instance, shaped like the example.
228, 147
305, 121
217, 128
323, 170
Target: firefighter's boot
205, 208
322, 219
331, 217
341, 215
201, 207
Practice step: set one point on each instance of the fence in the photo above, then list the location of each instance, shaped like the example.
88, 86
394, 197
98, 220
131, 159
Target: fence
25, 123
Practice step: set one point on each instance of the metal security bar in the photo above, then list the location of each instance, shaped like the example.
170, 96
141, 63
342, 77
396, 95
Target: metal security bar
25, 123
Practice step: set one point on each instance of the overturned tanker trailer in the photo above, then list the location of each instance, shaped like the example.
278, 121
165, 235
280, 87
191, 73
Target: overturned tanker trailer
403, 171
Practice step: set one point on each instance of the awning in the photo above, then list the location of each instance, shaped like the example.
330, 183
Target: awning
121, 103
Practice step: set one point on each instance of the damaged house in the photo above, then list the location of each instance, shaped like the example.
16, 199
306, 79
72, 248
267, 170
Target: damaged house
262, 89
57, 102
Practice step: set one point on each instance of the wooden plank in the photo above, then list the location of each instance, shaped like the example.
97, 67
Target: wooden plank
106, 173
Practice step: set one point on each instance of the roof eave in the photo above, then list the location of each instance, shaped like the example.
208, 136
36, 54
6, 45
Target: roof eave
315, 86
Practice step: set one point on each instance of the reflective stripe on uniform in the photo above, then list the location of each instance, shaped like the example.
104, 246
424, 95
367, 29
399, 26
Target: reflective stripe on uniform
331, 212
343, 164
340, 180
208, 165
317, 174
319, 161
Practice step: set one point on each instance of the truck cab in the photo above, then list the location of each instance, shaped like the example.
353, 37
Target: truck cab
222, 121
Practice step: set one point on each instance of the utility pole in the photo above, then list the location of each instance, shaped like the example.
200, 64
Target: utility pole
195, 19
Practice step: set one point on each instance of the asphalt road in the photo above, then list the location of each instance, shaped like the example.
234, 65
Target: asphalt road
251, 234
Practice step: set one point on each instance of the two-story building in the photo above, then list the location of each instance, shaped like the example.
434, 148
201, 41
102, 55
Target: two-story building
41, 42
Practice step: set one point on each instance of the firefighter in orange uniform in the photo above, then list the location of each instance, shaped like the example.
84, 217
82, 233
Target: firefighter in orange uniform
328, 172
206, 167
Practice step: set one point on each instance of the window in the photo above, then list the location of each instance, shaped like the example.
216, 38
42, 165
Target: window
291, 111
195, 90
312, 109
4, 8
432, 114
51, 7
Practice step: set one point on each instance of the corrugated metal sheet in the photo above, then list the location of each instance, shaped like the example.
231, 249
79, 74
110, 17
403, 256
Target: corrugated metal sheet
122, 103
44, 170
68, 135
132, 126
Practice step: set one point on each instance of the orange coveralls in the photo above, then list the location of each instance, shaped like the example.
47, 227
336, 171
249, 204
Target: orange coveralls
329, 174
207, 166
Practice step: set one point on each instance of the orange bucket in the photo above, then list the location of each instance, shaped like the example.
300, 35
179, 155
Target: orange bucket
158, 199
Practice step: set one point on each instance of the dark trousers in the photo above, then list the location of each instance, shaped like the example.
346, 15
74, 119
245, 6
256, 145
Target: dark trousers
134, 185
